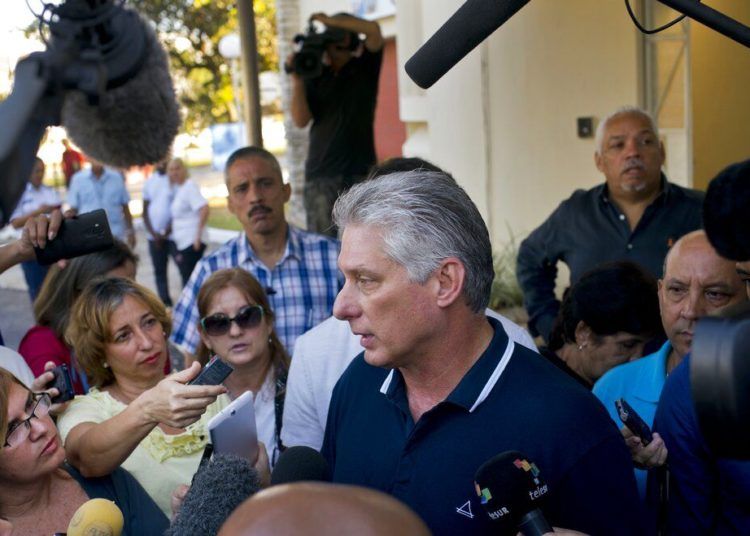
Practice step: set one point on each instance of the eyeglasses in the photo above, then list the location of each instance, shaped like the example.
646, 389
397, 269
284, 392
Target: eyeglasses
18, 433
219, 324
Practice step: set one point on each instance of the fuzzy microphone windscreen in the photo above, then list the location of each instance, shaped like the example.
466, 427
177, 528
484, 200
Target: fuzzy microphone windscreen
133, 124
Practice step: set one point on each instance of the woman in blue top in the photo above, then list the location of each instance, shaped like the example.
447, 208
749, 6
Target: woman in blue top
39, 493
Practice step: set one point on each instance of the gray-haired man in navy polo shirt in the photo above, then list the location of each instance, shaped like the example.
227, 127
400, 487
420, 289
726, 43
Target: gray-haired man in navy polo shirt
440, 388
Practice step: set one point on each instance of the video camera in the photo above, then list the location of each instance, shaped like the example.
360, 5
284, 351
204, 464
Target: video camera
308, 60
720, 357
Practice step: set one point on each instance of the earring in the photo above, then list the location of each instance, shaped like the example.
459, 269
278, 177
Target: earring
105, 364
581, 346
269, 340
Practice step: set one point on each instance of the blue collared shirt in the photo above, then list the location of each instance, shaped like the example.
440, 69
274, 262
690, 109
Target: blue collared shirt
33, 198
305, 283
510, 399
87, 193
639, 383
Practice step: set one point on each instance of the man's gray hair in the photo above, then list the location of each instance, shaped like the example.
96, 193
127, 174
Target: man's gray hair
624, 110
425, 217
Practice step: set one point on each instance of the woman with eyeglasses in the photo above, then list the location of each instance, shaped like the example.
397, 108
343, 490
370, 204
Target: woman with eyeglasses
237, 326
134, 416
39, 492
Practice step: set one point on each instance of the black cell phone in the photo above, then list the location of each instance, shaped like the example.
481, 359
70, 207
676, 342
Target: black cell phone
215, 372
64, 384
633, 421
86, 233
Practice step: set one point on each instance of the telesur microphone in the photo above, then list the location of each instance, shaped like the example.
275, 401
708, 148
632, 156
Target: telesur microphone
220, 487
97, 516
511, 490
300, 464
470, 25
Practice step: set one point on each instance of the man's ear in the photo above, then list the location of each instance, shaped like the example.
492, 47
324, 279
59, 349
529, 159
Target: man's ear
598, 161
287, 189
450, 277
583, 334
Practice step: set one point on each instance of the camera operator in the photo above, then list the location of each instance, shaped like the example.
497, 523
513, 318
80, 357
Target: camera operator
340, 100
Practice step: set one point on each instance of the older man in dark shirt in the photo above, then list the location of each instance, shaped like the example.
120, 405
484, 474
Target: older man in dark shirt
635, 215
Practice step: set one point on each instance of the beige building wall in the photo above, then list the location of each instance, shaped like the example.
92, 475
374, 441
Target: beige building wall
720, 71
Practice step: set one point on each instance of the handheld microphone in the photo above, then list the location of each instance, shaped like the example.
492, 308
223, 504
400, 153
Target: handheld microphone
470, 25
220, 487
511, 490
300, 464
97, 516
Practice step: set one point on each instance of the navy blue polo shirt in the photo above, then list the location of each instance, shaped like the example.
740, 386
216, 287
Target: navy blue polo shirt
511, 399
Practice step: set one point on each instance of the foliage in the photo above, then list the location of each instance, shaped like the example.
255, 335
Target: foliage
190, 31
506, 292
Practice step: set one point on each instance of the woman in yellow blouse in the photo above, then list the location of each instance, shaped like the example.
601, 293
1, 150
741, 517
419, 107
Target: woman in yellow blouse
135, 417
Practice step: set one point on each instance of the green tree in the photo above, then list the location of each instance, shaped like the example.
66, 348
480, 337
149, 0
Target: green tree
190, 31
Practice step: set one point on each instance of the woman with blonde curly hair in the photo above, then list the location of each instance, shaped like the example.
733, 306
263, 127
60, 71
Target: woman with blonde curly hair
134, 416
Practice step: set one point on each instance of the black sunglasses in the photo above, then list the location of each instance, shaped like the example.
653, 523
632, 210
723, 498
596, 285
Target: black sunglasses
219, 324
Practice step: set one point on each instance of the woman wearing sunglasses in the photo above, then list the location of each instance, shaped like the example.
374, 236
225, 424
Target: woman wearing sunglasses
134, 416
39, 493
237, 326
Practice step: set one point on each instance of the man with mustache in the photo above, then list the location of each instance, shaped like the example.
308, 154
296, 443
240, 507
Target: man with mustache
696, 282
635, 215
296, 268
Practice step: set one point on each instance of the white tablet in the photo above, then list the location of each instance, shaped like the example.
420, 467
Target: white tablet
233, 429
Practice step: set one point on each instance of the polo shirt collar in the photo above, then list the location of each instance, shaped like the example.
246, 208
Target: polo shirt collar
477, 383
649, 385
293, 247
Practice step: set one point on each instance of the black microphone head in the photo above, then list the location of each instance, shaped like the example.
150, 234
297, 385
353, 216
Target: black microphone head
471, 24
725, 212
135, 122
217, 490
509, 486
300, 464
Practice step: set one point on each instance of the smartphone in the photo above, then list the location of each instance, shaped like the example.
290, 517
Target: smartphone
64, 384
86, 233
633, 421
233, 430
215, 372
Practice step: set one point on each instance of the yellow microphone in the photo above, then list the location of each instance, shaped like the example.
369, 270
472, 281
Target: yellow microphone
97, 517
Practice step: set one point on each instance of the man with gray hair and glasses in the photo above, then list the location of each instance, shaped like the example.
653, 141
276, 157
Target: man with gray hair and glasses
635, 215
440, 388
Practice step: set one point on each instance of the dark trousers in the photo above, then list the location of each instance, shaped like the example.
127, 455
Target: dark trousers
160, 257
320, 195
186, 260
34, 273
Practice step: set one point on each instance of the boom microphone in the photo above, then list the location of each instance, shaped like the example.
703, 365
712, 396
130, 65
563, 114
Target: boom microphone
220, 487
511, 490
300, 464
470, 25
136, 119
103, 76
96, 516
